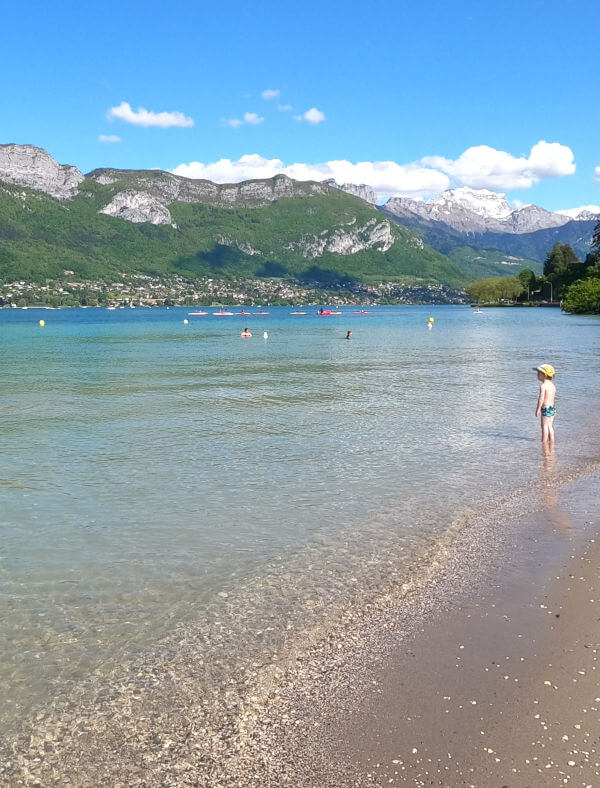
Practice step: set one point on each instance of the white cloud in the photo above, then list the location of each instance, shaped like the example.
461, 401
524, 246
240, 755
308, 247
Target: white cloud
252, 118
597, 174
386, 177
312, 115
483, 167
284, 107
270, 94
109, 138
143, 117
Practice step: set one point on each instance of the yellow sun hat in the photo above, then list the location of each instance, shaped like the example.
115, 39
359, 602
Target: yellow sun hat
546, 369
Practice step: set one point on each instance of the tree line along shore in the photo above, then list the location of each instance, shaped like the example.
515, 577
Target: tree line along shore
566, 279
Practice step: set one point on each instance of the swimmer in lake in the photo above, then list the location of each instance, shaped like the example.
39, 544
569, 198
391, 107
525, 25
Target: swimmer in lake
349, 335
246, 333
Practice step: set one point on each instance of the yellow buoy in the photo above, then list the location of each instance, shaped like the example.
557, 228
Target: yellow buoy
432, 320
185, 322
42, 323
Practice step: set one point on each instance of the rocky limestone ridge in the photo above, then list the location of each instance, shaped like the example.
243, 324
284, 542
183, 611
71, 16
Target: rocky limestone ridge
372, 235
26, 165
168, 188
138, 207
157, 190
164, 188
531, 218
363, 191
474, 211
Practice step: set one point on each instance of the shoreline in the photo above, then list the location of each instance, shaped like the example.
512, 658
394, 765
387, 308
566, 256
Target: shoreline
296, 723
486, 683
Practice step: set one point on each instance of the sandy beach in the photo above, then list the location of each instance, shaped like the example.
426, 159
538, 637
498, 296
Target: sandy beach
489, 683
486, 676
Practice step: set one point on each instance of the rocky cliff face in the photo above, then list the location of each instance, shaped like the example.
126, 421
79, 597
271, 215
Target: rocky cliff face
149, 193
26, 165
168, 188
531, 218
363, 191
160, 189
138, 207
346, 240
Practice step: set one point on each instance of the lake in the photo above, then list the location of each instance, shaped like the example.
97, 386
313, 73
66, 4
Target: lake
167, 486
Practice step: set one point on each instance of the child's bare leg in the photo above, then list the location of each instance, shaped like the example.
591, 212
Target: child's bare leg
547, 429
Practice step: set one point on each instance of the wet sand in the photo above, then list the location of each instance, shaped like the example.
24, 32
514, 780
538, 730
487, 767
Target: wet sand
486, 676
493, 683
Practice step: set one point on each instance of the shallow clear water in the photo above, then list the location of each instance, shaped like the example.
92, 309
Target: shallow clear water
155, 477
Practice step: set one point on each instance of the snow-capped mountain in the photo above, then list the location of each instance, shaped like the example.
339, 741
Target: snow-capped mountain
480, 210
479, 218
584, 214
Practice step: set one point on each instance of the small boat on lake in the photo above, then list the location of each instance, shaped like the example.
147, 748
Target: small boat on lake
222, 312
200, 312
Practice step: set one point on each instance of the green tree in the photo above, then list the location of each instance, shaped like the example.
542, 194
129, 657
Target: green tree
562, 267
583, 296
528, 280
495, 289
558, 259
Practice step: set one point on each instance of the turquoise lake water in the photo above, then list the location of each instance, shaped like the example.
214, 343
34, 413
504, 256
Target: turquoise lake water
157, 478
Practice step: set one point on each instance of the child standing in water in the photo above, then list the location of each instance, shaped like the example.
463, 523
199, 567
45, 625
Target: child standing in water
545, 404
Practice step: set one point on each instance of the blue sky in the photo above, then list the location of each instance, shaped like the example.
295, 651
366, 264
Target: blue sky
427, 95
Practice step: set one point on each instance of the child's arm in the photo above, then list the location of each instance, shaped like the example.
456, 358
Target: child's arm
538, 407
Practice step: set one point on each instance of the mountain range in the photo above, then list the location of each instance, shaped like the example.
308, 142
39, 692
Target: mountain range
480, 210
53, 217
480, 218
